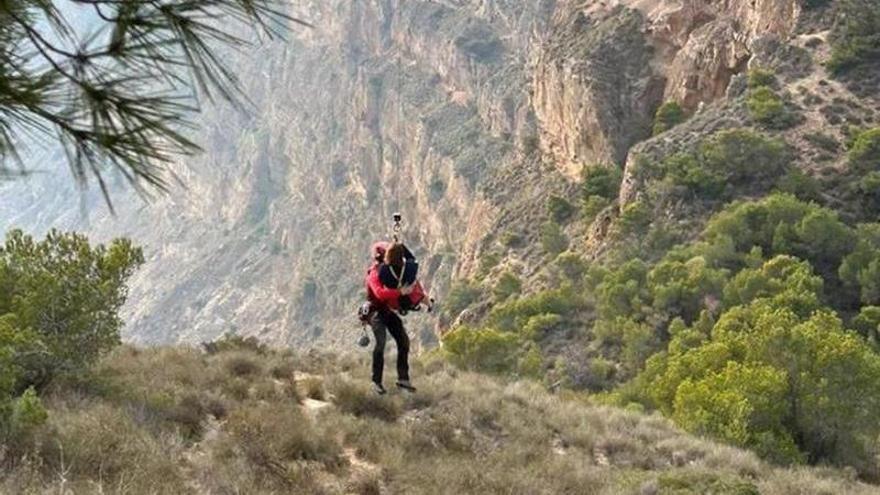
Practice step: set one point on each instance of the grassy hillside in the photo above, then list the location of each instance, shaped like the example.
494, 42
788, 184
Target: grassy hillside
243, 419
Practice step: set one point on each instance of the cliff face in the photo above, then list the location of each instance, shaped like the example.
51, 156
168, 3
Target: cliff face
418, 107
607, 66
463, 114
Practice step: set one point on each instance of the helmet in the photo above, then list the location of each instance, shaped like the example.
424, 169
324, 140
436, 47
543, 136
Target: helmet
377, 251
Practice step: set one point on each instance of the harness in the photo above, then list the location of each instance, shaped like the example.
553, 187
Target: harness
399, 278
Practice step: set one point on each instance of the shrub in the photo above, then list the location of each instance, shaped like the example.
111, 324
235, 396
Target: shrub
601, 180
560, 209
530, 362
735, 157
823, 141
695, 482
635, 219
512, 240
669, 115
103, 443
26, 416
359, 400
761, 361
760, 77
799, 184
867, 323
66, 295
513, 315
461, 295
242, 365
233, 342
538, 326
553, 239
864, 155
769, 109
507, 285
481, 349
571, 266
488, 261
855, 40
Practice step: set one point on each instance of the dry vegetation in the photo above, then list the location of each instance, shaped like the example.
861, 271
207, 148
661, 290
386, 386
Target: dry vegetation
248, 420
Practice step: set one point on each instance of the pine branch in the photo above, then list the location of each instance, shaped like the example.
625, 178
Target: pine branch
123, 96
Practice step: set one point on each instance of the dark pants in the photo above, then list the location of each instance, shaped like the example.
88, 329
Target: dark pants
384, 322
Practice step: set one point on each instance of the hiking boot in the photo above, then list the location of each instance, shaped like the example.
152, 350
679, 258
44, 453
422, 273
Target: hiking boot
379, 389
405, 385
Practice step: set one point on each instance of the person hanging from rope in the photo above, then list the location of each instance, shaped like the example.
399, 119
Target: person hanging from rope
401, 293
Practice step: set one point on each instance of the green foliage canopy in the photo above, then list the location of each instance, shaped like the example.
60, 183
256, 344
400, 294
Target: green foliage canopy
122, 91
59, 301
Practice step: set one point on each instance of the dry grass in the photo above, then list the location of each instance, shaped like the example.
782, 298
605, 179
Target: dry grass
183, 421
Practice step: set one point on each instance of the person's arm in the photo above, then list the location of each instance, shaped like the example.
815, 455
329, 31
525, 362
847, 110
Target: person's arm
380, 291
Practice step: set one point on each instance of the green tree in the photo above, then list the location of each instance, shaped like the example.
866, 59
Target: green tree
539, 325
745, 155
785, 280
669, 115
560, 209
515, 314
797, 381
855, 39
461, 295
482, 349
123, 91
864, 155
769, 109
684, 288
782, 224
506, 286
624, 292
601, 180
867, 323
553, 239
861, 268
737, 157
742, 405
67, 295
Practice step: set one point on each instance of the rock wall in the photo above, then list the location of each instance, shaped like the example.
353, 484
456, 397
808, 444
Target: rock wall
386, 105
463, 114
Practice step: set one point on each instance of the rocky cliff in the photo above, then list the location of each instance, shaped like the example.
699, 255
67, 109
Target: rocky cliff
463, 114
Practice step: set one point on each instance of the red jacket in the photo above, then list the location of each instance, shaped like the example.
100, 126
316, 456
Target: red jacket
381, 295
377, 293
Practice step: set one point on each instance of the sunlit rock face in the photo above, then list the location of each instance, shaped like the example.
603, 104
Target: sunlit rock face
418, 107
464, 115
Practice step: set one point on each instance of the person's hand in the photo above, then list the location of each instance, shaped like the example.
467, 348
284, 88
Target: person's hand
407, 289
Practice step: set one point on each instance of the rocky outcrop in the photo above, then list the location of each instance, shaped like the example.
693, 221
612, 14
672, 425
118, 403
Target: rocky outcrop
703, 44
606, 66
594, 88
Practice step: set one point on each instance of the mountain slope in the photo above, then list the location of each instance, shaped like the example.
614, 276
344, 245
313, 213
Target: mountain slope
467, 116
247, 418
